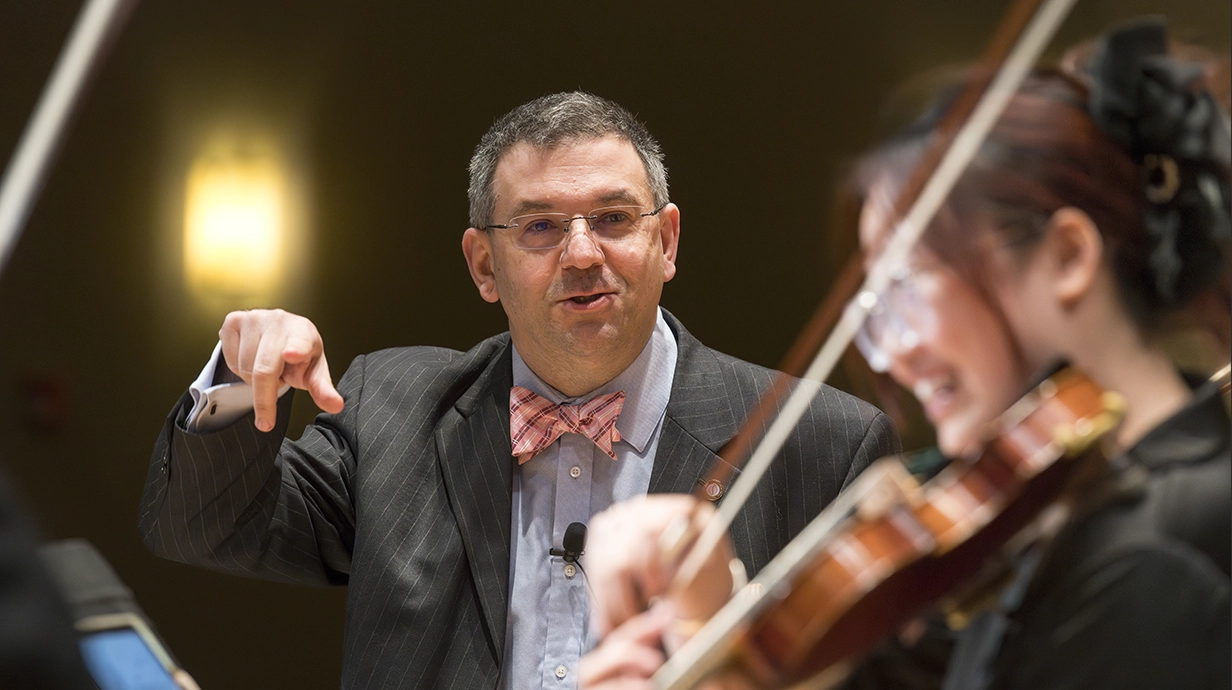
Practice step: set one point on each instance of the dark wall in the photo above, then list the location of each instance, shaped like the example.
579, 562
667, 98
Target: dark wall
756, 104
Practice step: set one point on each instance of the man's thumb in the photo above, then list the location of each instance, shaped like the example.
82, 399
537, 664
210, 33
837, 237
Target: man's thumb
321, 388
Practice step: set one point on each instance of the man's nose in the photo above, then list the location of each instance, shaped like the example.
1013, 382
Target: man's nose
582, 250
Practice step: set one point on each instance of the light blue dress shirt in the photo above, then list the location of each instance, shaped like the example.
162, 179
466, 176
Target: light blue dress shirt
547, 631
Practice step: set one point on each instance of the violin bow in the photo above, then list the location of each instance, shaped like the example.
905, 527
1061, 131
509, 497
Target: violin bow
98, 23
1016, 47
1223, 378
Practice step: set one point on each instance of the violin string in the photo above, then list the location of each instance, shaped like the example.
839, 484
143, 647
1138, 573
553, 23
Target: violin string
1021, 59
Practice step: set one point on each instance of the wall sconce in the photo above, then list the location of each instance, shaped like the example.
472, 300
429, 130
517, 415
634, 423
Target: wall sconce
234, 226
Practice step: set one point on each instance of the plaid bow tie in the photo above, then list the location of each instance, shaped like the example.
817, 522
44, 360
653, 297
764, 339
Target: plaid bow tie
534, 422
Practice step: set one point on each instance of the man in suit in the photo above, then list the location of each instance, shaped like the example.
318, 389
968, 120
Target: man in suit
438, 481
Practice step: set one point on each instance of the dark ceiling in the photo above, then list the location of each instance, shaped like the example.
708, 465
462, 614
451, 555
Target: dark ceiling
757, 104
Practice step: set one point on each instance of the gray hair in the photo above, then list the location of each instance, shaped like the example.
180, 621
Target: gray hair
548, 122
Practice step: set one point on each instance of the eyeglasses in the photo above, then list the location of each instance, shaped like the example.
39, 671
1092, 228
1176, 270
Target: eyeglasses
896, 318
549, 230
905, 312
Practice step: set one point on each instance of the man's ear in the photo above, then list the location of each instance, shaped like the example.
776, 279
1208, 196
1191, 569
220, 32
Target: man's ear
477, 247
1075, 254
669, 238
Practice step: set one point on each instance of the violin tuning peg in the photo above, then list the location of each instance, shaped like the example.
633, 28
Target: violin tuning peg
1113, 403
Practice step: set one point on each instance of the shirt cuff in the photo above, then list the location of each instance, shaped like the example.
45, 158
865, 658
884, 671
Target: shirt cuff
216, 406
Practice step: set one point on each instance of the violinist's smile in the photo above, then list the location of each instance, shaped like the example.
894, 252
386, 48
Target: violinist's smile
964, 373
936, 395
959, 361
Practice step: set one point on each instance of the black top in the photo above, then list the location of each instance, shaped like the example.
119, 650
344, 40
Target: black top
1137, 594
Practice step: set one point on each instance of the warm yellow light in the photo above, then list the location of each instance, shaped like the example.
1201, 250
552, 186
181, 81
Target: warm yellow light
233, 226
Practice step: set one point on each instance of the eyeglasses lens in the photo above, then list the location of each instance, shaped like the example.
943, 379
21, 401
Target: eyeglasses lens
892, 325
548, 230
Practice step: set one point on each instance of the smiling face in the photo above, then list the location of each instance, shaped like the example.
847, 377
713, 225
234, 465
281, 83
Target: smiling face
962, 364
584, 310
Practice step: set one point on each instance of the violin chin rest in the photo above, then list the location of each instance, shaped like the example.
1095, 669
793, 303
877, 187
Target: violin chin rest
1077, 438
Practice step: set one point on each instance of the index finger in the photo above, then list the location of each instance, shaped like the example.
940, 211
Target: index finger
229, 336
632, 652
267, 369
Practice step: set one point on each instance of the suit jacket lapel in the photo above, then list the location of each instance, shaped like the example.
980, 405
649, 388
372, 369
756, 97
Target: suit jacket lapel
477, 463
706, 409
476, 458
699, 417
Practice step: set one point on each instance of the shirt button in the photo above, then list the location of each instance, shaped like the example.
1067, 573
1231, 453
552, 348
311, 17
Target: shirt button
575, 471
561, 671
570, 570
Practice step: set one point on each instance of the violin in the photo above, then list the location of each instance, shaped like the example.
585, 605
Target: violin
890, 548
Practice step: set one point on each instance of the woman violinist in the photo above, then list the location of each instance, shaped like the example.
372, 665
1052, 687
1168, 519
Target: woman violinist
1096, 209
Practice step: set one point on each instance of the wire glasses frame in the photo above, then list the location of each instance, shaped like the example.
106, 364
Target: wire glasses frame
549, 230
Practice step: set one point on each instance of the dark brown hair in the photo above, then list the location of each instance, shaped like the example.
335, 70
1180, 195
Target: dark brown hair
1046, 153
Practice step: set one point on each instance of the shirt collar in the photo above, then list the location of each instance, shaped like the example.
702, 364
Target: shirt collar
647, 383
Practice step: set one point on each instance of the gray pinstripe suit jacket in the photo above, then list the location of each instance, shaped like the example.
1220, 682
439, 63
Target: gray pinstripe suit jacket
405, 496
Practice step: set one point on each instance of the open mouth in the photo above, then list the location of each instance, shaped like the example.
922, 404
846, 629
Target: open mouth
585, 299
936, 395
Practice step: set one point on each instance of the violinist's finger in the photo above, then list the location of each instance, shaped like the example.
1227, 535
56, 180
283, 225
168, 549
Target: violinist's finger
609, 592
630, 654
629, 567
616, 565
620, 659
712, 586
602, 569
626, 683
626, 603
